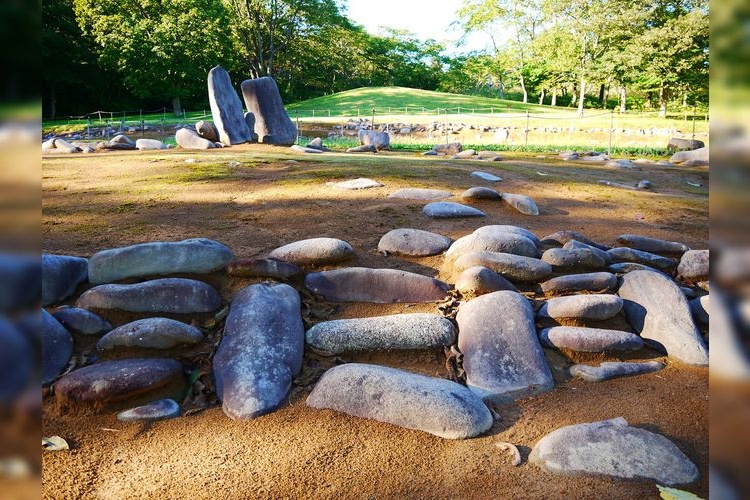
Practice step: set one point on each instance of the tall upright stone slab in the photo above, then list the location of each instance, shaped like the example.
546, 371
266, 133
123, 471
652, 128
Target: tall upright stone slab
226, 108
272, 123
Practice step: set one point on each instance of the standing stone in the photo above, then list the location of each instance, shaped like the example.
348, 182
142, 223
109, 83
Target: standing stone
694, 266
197, 255
260, 352
614, 369
188, 139
207, 130
479, 280
613, 448
226, 108
161, 409
658, 310
595, 307
420, 194
413, 243
374, 138
315, 251
653, 245
502, 356
81, 321
573, 283
61, 276
520, 202
437, 406
398, 331
450, 210
272, 123
381, 286
17, 362
512, 267
150, 333
167, 295
57, 347
580, 339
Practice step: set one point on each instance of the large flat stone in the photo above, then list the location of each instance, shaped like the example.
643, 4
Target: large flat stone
511, 266
166, 295
149, 144
521, 202
57, 347
150, 333
485, 176
574, 283
653, 245
260, 352
581, 339
61, 276
413, 243
272, 123
595, 307
503, 359
657, 309
420, 194
440, 407
314, 251
614, 369
613, 448
450, 210
357, 184
197, 255
382, 333
383, 286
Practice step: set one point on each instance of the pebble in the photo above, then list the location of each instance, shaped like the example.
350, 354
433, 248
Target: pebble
560, 238
382, 286
613, 448
166, 295
512, 267
572, 283
57, 348
398, 331
356, 184
480, 193
574, 258
594, 307
694, 266
653, 245
450, 210
485, 176
502, 356
413, 243
161, 409
614, 369
150, 333
81, 321
314, 251
260, 352
520, 202
479, 280
61, 276
436, 406
420, 194
657, 309
264, 268
575, 244
581, 339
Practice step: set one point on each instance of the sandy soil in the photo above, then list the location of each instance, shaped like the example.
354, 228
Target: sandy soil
254, 198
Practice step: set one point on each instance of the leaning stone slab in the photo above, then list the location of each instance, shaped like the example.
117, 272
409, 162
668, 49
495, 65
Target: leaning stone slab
595, 307
124, 382
17, 362
207, 130
357, 184
226, 108
57, 347
694, 266
560, 238
580, 339
382, 286
197, 255
479, 280
658, 310
437, 406
260, 352
573, 283
420, 194
315, 251
502, 356
382, 333
189, 139
512, 267
614, 369
82, 321
450, 210
376, 139
576, 245
520, 202
653, 245
613, 448
264, 268
413, 243
149, 144
166, 295
272, 123
625, 254
150, 333
574, 258
486, 176
61, 276
302, 149
161, 409
480, 193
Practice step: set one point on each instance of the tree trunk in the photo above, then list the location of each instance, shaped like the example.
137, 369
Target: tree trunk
523, 89
662, 102
574, 99
52, 102
581, 96
623, 99
601, 95
542, 96
684, 100
554, 97
176, 106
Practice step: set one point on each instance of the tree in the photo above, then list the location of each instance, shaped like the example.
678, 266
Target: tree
162, 48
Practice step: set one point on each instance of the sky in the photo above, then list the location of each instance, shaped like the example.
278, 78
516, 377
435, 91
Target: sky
425, 18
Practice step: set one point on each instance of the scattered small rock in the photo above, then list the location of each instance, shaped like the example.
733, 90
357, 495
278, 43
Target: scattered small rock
614, 369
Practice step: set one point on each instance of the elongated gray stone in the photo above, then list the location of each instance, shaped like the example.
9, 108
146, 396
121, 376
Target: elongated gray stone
150, 333
197, 255
575, 244
398, 331
437, 406
629, 267
613, 448
57, 347
314, 251
413, 242
512, 267
495, 228
614, 369
652, 245
17, 360
588, 282
496, 241
479, 280
149, 145
486, 176
625, 254
502, 356
520, 202
61, 275
694, 266
595, 307
260, 352
657, 309
82, 321
111, 384
166, 295
357, 184
574, 258
382, 286
189, 139
226, 108
266, 268
450, 210
161, 409
581, 339
272, 123
560, 238
420, 194
480, 193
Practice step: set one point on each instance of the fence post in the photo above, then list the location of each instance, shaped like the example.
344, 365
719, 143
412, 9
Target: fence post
526, 134
373, 119
296, 117
695, 110
445, 125
611, 130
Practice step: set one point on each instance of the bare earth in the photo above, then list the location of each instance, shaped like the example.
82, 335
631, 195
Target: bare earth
255, 198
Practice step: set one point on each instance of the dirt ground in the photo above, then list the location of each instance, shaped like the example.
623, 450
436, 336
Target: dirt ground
254, 198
